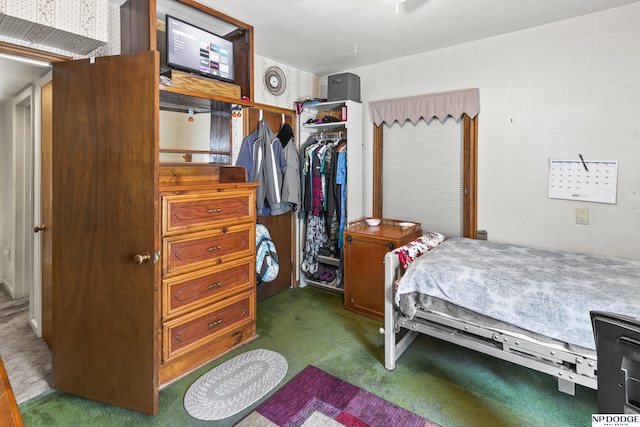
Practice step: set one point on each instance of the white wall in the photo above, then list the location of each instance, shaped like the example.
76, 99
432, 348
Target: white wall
16, 194
549, 92
176, 131
7, 196
300, 84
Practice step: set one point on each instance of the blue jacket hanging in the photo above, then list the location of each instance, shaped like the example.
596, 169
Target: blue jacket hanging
262, 156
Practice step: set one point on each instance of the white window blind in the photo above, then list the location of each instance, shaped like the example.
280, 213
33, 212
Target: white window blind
423, 174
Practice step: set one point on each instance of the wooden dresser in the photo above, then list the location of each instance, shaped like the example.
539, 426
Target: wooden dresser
364, 251
208, 266
141, 295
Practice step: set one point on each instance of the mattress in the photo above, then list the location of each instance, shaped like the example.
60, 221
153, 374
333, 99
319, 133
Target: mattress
542, 291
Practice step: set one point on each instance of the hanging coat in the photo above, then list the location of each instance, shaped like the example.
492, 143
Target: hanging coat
291, 179
245, 157
268, 164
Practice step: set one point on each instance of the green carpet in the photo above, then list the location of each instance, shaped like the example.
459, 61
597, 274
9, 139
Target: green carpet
442, 382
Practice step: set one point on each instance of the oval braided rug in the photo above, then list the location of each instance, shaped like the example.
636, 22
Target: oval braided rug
234, 385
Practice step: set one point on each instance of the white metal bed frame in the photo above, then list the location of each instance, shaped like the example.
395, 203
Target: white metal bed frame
569, 367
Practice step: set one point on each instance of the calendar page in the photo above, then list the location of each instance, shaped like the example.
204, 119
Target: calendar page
589, 181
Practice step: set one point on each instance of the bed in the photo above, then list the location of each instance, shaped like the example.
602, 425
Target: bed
525, 305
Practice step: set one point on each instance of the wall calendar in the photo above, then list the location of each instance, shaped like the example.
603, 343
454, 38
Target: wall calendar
588, 181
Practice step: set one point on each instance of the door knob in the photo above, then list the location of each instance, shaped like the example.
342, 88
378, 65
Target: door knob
141, 258
38, 228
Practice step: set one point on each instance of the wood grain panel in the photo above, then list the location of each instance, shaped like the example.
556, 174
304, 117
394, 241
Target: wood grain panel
211, 348
193, 329
191, 212
9, 411
187, 82
195, 290
195, 251
105, 210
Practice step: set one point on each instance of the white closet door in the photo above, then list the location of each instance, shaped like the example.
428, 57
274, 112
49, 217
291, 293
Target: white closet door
423, 175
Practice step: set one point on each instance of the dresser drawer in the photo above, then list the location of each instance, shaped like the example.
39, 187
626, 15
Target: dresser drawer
199, 327
191, 291
194, 251
182, 212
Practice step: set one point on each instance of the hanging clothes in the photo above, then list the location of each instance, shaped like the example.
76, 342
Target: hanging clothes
245, 156
262, 156
318, 178
304, 177
315, 239
341, 182
332, 196
285, 134
291, 192
323, 178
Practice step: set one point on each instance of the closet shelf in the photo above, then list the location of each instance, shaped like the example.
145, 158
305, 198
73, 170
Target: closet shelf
315, 106
324, 286
321, 126
328, 260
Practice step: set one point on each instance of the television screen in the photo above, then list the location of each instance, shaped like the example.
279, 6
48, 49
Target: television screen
617, 340
195, 50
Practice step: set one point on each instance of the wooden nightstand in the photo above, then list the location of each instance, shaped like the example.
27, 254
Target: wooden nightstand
364, 250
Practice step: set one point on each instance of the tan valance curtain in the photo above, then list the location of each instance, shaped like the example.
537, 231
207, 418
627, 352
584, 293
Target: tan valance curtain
439, 105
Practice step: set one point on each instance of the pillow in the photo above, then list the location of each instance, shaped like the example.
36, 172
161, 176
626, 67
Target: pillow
415, 248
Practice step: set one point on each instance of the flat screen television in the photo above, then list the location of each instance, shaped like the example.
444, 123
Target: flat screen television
617, 339
198, 51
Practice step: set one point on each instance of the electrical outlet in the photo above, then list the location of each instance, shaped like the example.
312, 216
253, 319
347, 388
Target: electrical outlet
582, 216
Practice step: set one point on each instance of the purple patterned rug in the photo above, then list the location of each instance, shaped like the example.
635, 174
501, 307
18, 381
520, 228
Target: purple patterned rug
316, 398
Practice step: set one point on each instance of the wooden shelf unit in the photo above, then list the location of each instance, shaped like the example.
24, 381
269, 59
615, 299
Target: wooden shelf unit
109, 262
142, 30
208, 217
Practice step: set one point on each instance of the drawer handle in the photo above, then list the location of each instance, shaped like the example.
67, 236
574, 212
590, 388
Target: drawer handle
214, 210
214, 248
193, 297
217, 322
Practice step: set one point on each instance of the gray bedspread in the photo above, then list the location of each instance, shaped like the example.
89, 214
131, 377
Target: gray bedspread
543, 291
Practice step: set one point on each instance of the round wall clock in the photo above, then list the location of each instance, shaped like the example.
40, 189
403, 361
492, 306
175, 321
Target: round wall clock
275, 80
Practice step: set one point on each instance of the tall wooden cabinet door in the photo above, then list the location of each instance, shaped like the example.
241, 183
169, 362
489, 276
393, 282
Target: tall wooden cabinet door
106, 306
364, 274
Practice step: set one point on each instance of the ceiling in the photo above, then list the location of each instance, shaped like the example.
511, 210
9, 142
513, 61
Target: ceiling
323, 37
328, 36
